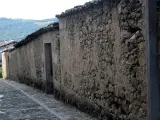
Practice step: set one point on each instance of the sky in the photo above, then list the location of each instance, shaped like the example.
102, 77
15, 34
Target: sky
36, 9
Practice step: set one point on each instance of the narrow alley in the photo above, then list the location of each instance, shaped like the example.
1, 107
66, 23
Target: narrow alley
21, 102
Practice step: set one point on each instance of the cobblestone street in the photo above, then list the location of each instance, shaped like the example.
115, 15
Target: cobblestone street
21, 102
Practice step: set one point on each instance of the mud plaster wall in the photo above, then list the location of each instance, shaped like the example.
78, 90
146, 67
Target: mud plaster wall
26, 63
5, 70
102, 54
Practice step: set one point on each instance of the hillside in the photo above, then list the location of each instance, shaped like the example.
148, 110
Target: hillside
16, 29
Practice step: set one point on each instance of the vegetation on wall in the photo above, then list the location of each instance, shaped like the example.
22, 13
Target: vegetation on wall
0, 72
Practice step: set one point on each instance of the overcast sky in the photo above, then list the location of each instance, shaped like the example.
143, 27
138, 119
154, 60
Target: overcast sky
36, 9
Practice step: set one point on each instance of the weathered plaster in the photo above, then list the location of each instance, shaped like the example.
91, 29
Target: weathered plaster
27, 63
99, 59
103, 59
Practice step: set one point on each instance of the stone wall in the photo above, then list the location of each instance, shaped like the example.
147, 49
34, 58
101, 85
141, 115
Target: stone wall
26, 63
99, 59
28, 67
103, 58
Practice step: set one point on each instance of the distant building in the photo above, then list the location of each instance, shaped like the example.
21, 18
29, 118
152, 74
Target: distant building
7, 44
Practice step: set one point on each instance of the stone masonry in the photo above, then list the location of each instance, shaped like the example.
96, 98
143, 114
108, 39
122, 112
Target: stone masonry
99, 59
102, 55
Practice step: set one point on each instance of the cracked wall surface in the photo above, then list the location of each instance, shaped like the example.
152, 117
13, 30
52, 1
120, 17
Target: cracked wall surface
103, 59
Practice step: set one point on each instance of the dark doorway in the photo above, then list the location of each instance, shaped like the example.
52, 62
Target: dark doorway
48, 67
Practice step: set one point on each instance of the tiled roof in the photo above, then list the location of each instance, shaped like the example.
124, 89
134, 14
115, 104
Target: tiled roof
34, 35
80, 8
5, 43
9, 49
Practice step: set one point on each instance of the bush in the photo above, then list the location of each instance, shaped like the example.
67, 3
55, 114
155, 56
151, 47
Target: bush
0, 72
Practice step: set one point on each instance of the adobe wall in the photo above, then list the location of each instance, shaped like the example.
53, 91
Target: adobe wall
26, 63
103, 59
5, 70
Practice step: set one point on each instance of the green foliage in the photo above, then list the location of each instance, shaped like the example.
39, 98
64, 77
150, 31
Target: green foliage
0, 72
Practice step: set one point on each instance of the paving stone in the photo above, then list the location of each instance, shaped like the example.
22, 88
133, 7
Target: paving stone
14, 105
36, 105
